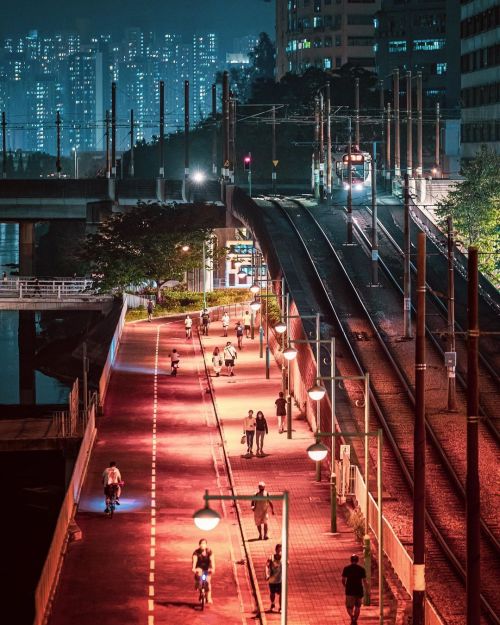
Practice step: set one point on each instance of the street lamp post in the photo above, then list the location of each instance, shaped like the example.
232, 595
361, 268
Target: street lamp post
207, 519
75, 156
318, 452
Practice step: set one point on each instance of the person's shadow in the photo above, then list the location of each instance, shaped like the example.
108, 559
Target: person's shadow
179, 604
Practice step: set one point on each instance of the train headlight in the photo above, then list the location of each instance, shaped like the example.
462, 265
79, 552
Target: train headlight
358, 187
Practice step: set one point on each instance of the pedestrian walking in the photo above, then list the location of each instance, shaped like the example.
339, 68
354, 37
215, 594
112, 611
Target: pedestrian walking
260, 508
174, 362
150, 310
4, 276
239, 334
188, 324
217, 361
230, 356
261, 430
205, 321
225, 322
273, 578
36, 287
247, 322
354, 581
249, 423
280, 411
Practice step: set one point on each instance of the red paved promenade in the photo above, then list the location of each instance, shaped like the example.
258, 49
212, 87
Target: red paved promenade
136, 568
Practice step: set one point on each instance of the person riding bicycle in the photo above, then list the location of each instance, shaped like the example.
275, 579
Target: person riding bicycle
204, 562
111, 479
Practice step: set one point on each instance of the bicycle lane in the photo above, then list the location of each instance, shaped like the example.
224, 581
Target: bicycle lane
136, 567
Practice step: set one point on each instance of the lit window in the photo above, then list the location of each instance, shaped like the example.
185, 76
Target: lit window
441, 68
327, 62
428, 45
397, 46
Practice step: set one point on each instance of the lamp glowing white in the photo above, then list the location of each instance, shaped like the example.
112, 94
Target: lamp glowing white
255, 305
290, 353
316, 392
280, 327
255, 288
317, 452
206, 519
198, 177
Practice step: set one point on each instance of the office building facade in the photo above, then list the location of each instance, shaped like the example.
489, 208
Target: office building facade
324, 33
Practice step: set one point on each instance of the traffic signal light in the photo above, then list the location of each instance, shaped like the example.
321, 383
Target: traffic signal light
247, 162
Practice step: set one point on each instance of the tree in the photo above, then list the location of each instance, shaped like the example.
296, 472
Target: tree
152, 243
474, 205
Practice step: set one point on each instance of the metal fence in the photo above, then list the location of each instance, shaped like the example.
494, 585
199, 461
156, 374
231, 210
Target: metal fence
53, 288
51, 569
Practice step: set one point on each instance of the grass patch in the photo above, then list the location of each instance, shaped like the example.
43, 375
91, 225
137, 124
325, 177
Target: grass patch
176, 301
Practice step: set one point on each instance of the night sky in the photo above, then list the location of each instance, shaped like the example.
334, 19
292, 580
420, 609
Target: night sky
227, 18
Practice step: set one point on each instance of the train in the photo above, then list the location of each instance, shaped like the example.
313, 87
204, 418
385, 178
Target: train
360, 167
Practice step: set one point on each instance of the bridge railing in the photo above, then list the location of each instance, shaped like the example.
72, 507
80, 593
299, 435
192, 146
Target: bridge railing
53, 288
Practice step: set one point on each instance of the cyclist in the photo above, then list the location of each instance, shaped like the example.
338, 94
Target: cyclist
111, 479
203, 562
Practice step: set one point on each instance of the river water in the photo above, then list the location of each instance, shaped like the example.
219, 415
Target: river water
47, 390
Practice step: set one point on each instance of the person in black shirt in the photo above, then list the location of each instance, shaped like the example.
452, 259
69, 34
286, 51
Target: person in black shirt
203, 561
354, 580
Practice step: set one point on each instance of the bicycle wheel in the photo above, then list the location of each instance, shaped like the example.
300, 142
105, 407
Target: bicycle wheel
203, 599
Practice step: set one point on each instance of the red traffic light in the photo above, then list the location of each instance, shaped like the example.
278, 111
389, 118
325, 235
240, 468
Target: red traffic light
247, 159
246, 162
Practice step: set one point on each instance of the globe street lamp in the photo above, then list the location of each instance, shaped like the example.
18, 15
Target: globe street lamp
255, 288
317, 452
280, 327
207, 519
255, 305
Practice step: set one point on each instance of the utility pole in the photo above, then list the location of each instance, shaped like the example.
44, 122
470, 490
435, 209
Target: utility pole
232, 135
214, 133
328, 143
383, 161
452, 354
225, 126
316, 147
388, 163
321, 149
186, 130
162, 130
408, 333
113, 129
108, 161
4, 146
374, 217
58, 157
132, 142
349, 184
409, 126
437, 156
356, 110
419, 446
419, 125
472, 486
273, 152
397, 139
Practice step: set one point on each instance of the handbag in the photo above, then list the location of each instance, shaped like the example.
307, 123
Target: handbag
243, 439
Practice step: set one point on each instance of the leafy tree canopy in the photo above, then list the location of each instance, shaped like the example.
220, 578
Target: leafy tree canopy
474, 205
145, 245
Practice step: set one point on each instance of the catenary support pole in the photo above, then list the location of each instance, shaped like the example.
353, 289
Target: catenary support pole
349, 184
273, 152
382, 160
356, 112
225, 126
437, 142
316, 147
214, 130
328, 113
388, 164
113, 129
419, 126
108, 157
409, 126
374, 233
321, 148
407, 327
4, 146
397, 135
232, 136
161, 168
58, 157
472, 486
419, 444
452, 401
186, 130
132, 144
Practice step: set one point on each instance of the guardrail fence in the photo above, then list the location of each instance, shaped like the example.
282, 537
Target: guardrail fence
58, 288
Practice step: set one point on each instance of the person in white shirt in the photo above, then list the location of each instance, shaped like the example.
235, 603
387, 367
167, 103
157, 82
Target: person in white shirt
247, 322
112, 477
249, 423
225, 322
174, 362
188, 324
230, 356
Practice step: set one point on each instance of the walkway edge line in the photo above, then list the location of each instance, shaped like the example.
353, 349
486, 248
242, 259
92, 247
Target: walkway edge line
253, 576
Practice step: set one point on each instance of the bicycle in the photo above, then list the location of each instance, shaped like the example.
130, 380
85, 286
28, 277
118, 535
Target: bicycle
111, 497
203, 589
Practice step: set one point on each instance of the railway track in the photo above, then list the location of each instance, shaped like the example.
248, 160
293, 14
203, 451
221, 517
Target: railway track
391, 400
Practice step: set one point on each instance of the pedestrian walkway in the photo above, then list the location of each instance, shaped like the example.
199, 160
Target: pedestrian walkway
316, 557
136, 567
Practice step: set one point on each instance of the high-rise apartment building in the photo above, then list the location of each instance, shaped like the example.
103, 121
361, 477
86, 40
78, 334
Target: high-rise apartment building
480, 75
204, 68
324, 33
420, 36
